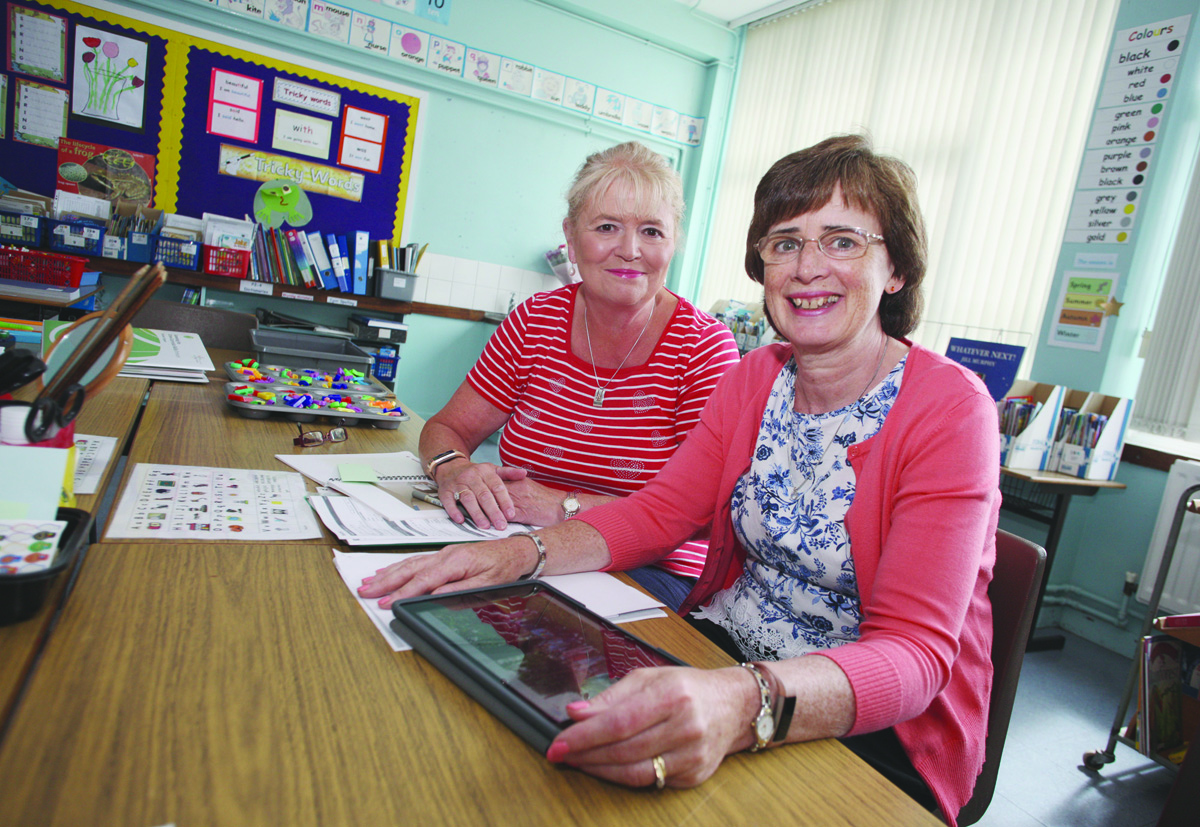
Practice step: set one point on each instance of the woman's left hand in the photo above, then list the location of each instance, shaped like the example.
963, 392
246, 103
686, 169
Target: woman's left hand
692, 718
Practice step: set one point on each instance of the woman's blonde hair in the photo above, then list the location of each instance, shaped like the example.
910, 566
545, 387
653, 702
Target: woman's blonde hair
649, 176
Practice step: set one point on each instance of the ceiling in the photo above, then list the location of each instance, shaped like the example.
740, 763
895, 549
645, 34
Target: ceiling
738, 12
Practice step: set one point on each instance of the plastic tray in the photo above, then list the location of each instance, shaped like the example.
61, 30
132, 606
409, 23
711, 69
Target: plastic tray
306, 350
265, 407
22, 595
51, 269
277, 377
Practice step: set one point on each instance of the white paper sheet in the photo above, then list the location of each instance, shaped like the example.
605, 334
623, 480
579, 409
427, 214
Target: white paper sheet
92, 455
170, 502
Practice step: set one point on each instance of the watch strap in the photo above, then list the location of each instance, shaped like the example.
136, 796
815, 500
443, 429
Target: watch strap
541, 550
764, 709
440, 459
782, 705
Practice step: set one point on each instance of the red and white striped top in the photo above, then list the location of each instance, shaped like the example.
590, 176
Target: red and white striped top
528, 370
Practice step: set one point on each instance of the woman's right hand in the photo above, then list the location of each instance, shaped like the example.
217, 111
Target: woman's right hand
457, 567
479, 491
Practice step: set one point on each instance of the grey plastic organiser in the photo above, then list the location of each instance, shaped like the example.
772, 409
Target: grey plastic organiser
278, 407
280, 378
308, 350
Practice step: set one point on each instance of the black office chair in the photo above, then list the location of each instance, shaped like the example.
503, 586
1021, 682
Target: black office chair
1016, 578
217, 328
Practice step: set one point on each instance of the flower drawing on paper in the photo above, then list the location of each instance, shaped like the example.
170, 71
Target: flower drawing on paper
107, 76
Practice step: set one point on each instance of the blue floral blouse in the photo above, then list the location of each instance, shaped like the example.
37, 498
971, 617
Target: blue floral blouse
798, 592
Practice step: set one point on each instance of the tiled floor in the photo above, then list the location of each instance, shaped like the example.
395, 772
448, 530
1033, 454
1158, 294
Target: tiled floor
1065, 705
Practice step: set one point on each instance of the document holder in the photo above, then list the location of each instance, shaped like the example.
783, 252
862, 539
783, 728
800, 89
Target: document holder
523, 651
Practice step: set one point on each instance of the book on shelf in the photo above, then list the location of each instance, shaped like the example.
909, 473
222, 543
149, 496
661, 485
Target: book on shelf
362, 255
340, 279
321, 260
1191, 620
346, 280
38, 292
299, 260
1161, 695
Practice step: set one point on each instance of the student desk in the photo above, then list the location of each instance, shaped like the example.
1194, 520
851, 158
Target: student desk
112, 413
240, 684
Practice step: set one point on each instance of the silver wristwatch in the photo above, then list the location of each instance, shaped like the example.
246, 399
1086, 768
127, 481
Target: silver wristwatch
570, 505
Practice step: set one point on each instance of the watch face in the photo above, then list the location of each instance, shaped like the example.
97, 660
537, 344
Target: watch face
570, 506
764, 727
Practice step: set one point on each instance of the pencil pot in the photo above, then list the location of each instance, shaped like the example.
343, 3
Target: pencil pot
22, 594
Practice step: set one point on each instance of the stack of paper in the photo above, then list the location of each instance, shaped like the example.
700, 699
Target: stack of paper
377, 508
168, 355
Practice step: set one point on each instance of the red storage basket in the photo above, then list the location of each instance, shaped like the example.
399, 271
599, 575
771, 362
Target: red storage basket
50, 269
225, 261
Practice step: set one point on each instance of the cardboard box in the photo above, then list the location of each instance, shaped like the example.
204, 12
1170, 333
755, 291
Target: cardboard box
1028, 444
1093, 450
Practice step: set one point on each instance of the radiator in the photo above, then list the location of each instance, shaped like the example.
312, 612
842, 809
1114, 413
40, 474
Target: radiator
1181, 592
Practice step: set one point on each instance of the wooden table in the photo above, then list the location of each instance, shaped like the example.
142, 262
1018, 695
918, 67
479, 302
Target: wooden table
242, 684
112, 412
1059, 488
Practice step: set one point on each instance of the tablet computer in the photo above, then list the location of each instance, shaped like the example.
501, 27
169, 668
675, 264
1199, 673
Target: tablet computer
523, 650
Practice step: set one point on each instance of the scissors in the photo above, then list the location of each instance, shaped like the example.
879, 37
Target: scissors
17, 369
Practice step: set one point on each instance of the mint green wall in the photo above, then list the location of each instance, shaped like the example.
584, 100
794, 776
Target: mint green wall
492, 169
1116, 367
1109, 534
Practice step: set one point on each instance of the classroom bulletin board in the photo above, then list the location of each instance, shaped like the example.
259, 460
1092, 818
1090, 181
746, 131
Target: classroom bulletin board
205, 123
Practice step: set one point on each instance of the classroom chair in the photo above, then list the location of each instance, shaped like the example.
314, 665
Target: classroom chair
218, 328
1020, 565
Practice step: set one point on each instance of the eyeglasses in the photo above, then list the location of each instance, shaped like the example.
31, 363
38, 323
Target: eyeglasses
839, 244
311, 439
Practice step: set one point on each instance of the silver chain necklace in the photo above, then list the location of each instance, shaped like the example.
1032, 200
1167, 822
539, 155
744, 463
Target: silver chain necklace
598, 399
811, 481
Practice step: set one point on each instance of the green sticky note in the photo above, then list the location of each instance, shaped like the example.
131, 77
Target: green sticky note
13, 511
357, 472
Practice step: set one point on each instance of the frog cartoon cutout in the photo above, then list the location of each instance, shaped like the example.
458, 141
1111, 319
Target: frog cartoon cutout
282, 201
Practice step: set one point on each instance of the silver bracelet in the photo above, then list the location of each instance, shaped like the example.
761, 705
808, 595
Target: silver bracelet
541, 550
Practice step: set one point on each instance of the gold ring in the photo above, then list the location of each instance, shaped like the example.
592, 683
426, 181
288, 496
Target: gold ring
660, 772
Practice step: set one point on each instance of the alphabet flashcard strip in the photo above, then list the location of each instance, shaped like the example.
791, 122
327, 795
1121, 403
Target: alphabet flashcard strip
182, 502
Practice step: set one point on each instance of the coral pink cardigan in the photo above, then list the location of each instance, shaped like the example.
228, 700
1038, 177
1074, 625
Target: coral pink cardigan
922, 531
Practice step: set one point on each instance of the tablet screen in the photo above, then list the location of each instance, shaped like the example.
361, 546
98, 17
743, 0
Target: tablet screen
537, 644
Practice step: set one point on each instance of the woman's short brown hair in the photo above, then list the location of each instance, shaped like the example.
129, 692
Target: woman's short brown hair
885, 187
650, 177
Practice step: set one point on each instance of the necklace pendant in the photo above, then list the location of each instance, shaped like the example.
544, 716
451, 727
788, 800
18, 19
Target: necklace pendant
598, 399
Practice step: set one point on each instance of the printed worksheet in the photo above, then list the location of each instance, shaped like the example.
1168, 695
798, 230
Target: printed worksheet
92, 455
183, 502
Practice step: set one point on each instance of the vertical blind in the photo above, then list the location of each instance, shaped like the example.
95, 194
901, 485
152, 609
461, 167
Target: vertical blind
1168, 394
988, 100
